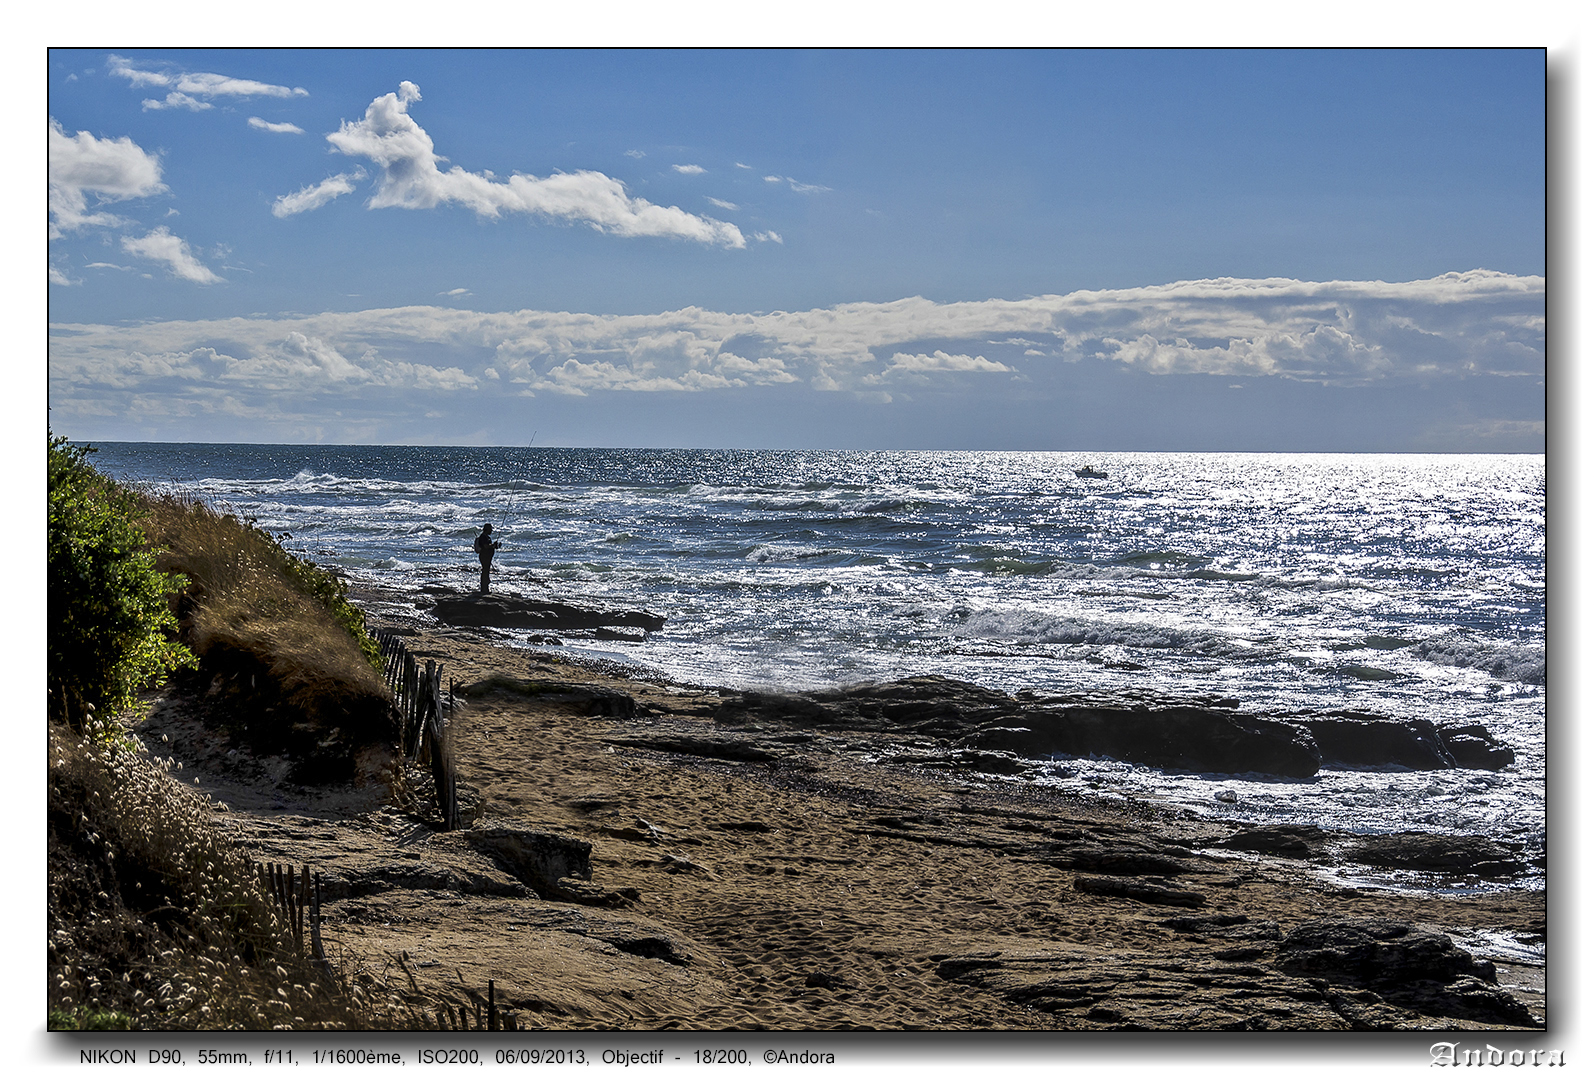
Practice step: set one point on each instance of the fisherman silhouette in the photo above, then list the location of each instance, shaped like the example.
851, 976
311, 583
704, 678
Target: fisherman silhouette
485, 546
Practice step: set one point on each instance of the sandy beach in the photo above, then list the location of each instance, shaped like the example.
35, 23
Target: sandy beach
823, 887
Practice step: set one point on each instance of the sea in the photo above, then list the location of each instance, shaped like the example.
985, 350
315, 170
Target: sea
1403, 584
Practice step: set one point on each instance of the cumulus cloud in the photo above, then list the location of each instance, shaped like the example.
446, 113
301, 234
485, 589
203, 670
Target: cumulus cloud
690, 170
161, 246
314, 196
188, 86
109, 169
279, 129
941, 361
410, 178
1449, 328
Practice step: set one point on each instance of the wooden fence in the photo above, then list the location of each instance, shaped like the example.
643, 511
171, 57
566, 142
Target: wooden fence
297, 894
421, 716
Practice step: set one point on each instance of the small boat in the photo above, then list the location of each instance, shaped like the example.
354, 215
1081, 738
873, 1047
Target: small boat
1090, 472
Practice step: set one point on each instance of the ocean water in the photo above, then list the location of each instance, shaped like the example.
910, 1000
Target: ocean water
1408, 585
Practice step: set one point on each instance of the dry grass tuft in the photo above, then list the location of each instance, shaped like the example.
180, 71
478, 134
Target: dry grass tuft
156, 923
276, 639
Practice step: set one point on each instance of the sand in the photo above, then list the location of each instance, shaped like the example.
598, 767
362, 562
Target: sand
823, 890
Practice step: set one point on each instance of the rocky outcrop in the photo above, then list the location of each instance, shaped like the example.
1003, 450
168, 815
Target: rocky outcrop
475, 610
1367, 741
1196, 736
1225, 972
539, 859
1472, 746
1451, 854
1406, 965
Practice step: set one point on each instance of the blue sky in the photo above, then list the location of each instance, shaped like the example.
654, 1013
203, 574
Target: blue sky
1250, 250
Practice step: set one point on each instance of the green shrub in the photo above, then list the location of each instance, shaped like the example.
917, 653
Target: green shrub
111, 629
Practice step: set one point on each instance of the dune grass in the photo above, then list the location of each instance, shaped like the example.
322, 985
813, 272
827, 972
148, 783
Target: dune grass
155, 920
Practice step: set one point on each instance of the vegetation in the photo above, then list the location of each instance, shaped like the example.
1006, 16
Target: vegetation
155, 921
283, 655
111, 630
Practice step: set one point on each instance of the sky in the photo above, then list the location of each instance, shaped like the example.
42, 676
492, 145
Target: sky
1338, 250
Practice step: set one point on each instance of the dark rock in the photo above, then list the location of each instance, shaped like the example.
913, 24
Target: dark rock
540, 859
1203, 923
1285, 840
1377, 743
716, 746
1472, 746
1377, 951
1462, 854
1406, 965
1185, 737
1139, 889
593, 700
518, 612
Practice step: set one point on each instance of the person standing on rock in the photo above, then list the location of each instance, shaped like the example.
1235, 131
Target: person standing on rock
485, 546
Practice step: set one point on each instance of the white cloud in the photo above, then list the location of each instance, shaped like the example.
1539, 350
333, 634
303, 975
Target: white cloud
722, 204
410, 179
279, 129
177, 100
315, 196
941, 361
161, 246
110, 169
742, 166
636, 153
801, 189
1450, 328
456, 292
689, 170
202, 83
768, 237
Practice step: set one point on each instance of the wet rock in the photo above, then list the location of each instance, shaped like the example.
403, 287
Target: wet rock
1361, 741
1284, 840
1457, 854
1192, 738
1472, 746
517, 612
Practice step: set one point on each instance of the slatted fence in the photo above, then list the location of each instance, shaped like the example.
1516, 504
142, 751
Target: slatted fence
422, 717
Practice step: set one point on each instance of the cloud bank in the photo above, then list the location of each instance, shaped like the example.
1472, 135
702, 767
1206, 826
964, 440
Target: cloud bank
409, 178
1445, 330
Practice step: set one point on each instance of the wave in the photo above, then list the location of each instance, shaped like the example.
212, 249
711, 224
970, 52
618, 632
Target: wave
1508, 662
1028, 627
